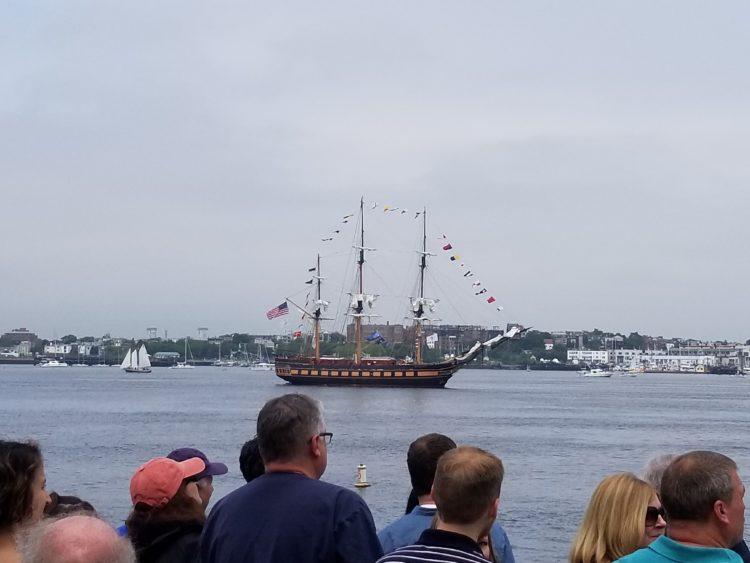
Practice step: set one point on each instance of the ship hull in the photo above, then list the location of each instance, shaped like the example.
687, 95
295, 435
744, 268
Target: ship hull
366, 375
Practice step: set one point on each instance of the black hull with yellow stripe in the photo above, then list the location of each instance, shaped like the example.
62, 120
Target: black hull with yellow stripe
369, 373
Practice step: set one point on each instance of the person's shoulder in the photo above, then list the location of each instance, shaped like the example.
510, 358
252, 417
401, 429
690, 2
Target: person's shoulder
407, 522
419, 552
341, 494
643, 555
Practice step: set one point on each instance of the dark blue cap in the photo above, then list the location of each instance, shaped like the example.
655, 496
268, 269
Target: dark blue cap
212, 468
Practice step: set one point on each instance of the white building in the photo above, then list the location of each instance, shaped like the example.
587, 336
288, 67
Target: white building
58, 348
674, 362
625, 357
588, 356
84, 348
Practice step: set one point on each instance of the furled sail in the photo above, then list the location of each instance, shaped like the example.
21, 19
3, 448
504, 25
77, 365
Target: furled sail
360, 299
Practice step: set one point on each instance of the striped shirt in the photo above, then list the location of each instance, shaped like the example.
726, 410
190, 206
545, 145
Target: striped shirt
438, 546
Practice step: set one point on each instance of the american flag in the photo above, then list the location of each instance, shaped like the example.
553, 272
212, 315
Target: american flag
282, 309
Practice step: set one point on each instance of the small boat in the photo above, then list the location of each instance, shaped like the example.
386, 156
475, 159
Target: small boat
264, 361
136, 360
596, 372
186, 364
53, 364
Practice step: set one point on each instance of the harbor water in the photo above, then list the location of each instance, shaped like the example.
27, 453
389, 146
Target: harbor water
558, 434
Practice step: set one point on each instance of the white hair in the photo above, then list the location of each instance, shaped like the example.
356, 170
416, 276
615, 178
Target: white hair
74, 538
655, 468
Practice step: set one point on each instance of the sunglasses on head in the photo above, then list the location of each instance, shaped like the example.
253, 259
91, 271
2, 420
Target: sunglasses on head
652, 515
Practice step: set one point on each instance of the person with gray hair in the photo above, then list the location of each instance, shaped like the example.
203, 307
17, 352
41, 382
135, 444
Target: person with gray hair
655, 468
77, 538
288, 514
702, 494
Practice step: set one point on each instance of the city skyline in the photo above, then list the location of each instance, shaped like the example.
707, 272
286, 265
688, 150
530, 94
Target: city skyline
178, 167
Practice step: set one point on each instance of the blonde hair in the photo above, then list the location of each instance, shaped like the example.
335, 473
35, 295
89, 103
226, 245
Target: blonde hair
614, 522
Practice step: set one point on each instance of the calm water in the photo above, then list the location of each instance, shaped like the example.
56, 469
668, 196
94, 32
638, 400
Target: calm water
557, 434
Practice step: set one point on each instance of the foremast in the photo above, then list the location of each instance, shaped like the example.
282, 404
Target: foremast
317, 315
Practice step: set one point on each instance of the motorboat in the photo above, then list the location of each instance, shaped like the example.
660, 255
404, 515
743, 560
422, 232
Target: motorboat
53, 364
596, 372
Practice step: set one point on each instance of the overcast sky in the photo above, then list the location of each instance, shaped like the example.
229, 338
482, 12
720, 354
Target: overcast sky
175, 164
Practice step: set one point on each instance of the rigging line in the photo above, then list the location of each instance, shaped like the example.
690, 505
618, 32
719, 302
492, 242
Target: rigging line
448, 299
333, 254
341, 319
371, 270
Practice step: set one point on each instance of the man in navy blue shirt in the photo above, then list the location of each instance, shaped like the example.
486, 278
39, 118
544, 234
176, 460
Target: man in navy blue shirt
288, 514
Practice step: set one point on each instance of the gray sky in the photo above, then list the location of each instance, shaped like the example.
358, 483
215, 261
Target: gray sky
174, 164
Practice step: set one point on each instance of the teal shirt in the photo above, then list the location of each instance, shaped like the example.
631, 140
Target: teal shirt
665, 550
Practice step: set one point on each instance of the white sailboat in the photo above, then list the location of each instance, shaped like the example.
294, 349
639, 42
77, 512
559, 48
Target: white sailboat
136, 360
262, 364
185, 364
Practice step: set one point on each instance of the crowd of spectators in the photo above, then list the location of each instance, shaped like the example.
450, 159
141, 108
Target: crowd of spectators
685, 508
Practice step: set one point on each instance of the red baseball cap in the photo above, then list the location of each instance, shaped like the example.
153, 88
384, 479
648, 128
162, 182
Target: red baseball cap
158, 480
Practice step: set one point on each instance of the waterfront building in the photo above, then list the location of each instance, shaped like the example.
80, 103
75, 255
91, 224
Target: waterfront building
392, 333
167, 356
58, 348
18, 335
588, 356
24, 348
659, 361
625, 357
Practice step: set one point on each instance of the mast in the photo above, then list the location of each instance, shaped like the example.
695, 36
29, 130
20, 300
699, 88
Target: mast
360, 306
420, 310
316, 318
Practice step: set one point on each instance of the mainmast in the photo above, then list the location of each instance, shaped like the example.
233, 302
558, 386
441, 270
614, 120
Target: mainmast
420, 308
317, 314
360, 304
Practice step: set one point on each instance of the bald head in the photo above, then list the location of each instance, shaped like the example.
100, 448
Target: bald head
76, 539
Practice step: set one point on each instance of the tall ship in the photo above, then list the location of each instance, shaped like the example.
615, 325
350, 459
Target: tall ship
136, 360
362, 370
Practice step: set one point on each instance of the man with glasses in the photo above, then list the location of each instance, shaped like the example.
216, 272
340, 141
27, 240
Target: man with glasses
702, 494
288, 514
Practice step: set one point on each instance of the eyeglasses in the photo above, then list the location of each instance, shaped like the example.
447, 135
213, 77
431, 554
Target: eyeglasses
652, 515
327, 436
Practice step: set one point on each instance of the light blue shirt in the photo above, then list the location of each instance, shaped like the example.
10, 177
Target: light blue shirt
407, 529
665, 550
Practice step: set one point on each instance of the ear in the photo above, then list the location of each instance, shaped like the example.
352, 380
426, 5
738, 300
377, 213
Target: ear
314, 447
494, 507
432, 492
721, 511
